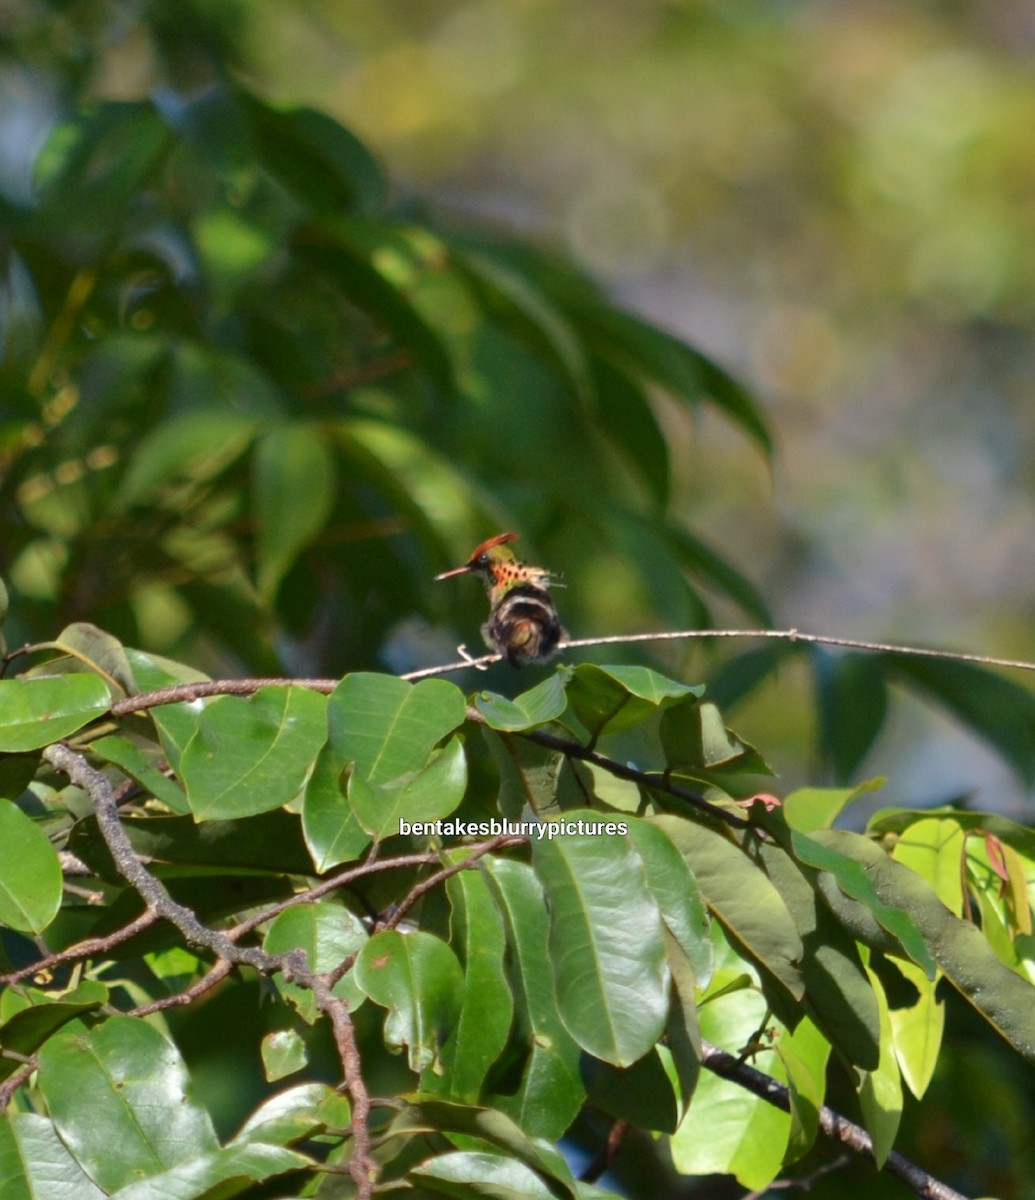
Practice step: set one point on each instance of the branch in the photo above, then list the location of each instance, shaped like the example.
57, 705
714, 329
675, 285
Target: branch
835, 1126
150, 889
660, 783
89, 948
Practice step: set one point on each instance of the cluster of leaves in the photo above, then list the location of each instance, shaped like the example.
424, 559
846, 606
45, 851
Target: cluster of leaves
230, 368
470, 990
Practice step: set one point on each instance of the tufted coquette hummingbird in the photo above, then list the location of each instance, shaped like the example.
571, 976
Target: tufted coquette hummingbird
523, 624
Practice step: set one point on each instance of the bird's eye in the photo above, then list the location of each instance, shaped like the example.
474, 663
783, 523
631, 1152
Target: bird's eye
483, 558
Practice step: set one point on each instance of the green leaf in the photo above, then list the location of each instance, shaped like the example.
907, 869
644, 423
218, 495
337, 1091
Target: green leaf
934, 849
387, 727
176, 723
697, 742
549, 1091
295, 1114
476, 934
252, 755
427, 1115
845, 857
838, 995
728, 1130
880, 1091
675, 891
545, 702
480, 1173
1003, 998
627, 417
28, 1029
418, 979
804, 1054
329, 934
808, 808
996, 709
425, 795
102, 653
30, 874
640, 1094
615, 698
216, 1172
529, 775
606, 943
709, 567
36, 712
293, 487
917, 1030
742, 897
119, 1098
283, 1053
31, 1153
332, 829
130, 758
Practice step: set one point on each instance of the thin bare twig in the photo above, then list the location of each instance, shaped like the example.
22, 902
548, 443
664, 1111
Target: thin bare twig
786, 635
615, 1137
15, 1081
362, 1166
219, 972
90, 948
835, 1126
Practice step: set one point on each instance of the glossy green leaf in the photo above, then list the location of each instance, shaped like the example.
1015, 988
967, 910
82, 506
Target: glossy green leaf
742, 897
838, 996
476, 935
424, 795
36, 712
130, 758
99, 651
811, 808
253, 755
934, 849
230, 1169
176, 723
1003, 998
880, 1091
28, 1029
293, 488
427, 1115
844, 857
674, 888
640, 1093
283, 1053
387, 727
548, 1092
804, 1055
480, 1173
615, 698
332, 830
529, 776
328, 934
728, 1130
119, 1097
418, 979
545, 702
30, 874
31, 1154
697, 742
606, 943
917, 1030
294, 1114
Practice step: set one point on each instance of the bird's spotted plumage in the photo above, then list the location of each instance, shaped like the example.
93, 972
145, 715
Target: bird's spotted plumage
523, 624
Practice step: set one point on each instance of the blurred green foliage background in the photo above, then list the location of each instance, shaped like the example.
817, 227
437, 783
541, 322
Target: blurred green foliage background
833, 200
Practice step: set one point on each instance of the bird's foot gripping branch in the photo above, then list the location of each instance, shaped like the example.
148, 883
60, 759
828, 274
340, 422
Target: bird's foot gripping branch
191, 876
